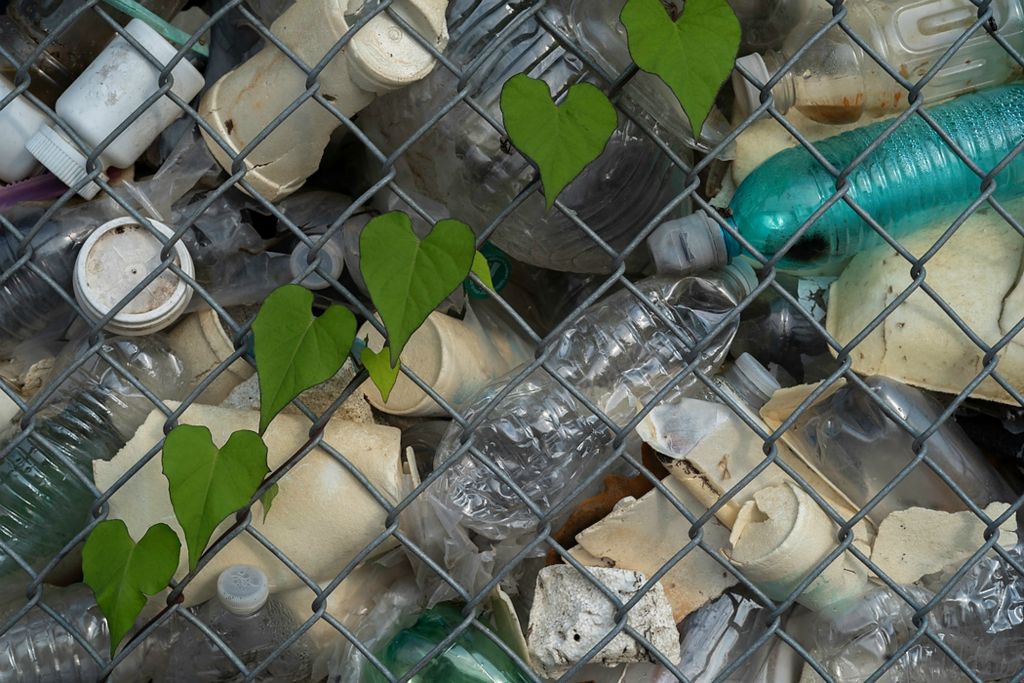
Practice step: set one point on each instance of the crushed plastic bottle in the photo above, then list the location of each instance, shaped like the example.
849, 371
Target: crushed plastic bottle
44, 502
617, 354
835, 81
248, 620
464, 164
472, 658
912, 180
980, 620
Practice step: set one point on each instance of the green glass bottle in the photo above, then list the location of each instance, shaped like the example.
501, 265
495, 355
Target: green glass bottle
472, 658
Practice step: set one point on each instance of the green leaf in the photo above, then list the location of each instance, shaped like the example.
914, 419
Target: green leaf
121, 573
381, 371
693, 56
561, 140
267, 499
206, 483
482, 269
407, 277
294, 350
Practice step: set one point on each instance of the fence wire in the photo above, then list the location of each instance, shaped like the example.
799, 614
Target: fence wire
691, 186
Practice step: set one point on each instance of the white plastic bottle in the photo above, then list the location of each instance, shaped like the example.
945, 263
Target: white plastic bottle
836, 81
110, 91
19, 121
380, 58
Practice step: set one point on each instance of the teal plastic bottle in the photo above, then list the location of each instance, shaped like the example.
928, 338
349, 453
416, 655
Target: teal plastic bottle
912, 180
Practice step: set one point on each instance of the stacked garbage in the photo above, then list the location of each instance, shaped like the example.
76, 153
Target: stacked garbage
743, 404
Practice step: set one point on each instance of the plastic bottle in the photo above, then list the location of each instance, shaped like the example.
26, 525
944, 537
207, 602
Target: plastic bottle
70, 49
766, 24
912, 180
980, 620
618, 354
115, 88
45, 502
466, 165
251, 622
850, 441
835, 81
379, 58
472, 658
19, 120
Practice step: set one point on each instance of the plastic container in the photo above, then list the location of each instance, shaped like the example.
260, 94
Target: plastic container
381, 57
110, 91
455, 357
19, 121
114, 260
618, 355
912, 180
69, 47
835, 81
45, 492
463, 163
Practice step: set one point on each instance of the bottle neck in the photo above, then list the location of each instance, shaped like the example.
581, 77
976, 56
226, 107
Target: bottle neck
784, 92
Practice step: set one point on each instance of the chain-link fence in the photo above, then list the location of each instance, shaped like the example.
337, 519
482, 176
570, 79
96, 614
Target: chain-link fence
234, 29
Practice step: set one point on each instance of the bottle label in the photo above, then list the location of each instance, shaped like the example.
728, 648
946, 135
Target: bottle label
501, 269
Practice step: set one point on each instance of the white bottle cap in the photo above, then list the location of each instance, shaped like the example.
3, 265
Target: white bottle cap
242, 589
688, 245
332, 261
116, 257
757, 375
63, 159
19, 121
748, 95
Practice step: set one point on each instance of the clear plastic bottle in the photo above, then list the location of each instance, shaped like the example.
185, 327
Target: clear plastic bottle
28, 23
463, 163
619, 355
857, 447
251, 622
766, 23
44, 503
980, 620
912, 180
835, 81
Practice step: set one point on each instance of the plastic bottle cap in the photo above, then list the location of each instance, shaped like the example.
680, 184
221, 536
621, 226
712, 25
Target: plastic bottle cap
63, 159
743, 271
383, 57
688, 245
115, 258
758, 375
19, 121
242, 589
748, 95
332, 260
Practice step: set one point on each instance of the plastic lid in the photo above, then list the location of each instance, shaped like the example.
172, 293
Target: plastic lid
242, 589
744, 272
19, 121
63, 159
332, 261
383, 57
748, 95
757, 375
688, 245
117, 257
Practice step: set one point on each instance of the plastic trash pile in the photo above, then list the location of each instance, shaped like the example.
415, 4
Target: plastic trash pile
746, 405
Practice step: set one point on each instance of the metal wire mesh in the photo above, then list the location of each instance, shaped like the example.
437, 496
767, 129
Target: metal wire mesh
689, 189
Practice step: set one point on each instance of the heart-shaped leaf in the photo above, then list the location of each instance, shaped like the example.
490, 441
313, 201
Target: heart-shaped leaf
121, 572
561, 140
381, 371
407, 277
482, 269
207, 483
294, 350
267, 499
693, 56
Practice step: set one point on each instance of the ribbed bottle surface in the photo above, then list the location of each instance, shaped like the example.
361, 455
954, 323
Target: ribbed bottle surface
912, 180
